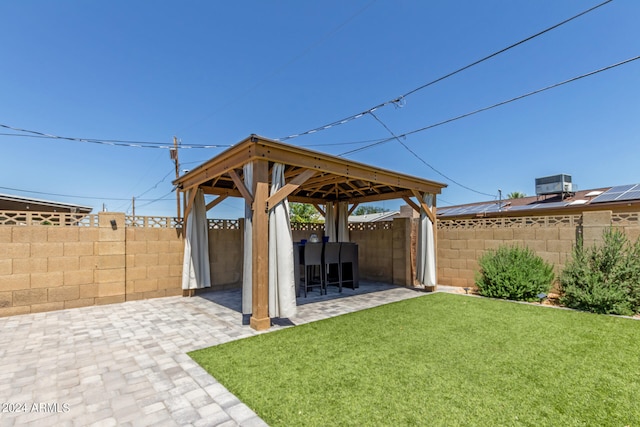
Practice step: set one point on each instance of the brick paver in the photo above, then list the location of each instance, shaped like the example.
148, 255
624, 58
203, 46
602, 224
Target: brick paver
126, 364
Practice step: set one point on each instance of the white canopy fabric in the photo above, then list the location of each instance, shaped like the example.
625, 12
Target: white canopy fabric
247, 278
196, 273
425, 254
343, 222
330, 222
282, 290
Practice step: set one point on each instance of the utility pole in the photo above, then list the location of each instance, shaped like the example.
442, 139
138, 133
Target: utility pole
133, 209
174, 157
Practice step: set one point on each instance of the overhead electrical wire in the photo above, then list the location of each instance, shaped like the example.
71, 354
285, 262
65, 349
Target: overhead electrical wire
403, 135
425, 162
161, 198
118, 199
112, 142
499, 104
400, 99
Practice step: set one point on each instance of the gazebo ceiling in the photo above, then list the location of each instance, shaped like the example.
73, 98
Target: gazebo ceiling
317, 177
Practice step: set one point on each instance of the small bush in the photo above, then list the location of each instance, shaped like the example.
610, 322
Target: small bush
604, 279
513, 273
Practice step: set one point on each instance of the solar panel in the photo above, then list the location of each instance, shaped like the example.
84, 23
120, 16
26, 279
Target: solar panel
619, 193
480, 209
469, 210
630, 195
522, 207
493, 208
449, 212
606, 197
621, 188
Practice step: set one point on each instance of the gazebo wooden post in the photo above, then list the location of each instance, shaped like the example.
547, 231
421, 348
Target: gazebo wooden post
431, 213
435, 235
260, 253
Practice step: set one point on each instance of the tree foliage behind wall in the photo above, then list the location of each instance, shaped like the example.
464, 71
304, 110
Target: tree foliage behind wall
367, 210
304, 212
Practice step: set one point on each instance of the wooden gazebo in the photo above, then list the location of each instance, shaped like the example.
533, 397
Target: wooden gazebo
311, 177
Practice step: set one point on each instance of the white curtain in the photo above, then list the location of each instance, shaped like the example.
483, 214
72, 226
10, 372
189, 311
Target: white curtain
247, 278
425, 254
196, 273
343, 222
282, 290
330, 222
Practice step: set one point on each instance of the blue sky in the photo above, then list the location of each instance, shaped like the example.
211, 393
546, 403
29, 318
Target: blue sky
213, 72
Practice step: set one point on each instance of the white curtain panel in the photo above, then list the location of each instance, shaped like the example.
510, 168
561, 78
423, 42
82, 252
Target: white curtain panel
330, 222
196, 273
425, 254
282, 290
247, 278
343, 222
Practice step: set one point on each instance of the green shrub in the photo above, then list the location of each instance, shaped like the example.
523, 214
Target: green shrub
604, 278
515, 273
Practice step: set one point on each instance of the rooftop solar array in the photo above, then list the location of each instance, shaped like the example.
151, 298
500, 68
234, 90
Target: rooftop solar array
614, 194
619, 193
495, 207
470, 210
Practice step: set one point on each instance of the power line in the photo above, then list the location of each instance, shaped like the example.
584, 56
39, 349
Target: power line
425, 162
400, 99
73, 196
161, 198
112, 142
153, 187
499, 104
329, 144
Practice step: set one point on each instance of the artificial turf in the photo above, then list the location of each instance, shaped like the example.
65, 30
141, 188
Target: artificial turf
440, 359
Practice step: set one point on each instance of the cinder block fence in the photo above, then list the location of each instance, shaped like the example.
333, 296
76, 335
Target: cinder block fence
53, 261
462, 242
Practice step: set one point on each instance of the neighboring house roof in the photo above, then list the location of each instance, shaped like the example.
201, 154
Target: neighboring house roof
17, 203
622, 197
374, 217
405, 211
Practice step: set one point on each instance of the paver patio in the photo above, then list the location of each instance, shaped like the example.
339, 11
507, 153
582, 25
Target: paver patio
126, 364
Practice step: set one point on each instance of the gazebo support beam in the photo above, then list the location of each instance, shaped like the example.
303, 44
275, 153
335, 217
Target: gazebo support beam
289, 188
215, 202
241, 187
430, 213
188, 207
411, 203
260, 253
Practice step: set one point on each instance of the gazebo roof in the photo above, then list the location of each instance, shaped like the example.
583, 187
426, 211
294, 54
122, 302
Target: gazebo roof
317, 177
309, 177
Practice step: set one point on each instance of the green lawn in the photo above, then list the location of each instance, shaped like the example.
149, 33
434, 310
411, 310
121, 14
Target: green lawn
440, 359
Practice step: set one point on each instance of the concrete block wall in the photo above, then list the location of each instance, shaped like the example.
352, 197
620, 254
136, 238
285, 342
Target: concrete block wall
401, 251
154, 259
461, 246
384, 248
226, 253
375, 251
46, 267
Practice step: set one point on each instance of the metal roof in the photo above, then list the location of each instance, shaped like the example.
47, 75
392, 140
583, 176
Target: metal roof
17, 203
326, 177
